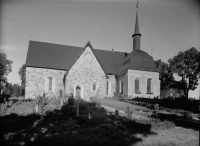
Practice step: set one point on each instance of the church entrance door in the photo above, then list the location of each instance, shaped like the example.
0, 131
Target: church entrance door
78, 92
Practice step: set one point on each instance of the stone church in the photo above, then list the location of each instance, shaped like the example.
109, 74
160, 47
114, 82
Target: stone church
88, 72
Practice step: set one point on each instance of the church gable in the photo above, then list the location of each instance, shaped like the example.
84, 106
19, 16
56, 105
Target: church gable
85, 71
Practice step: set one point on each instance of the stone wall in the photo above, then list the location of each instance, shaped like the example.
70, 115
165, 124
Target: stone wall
143, 76
36, 81
85, 71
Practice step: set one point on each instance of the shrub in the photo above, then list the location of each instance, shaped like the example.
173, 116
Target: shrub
83, 106
71, 100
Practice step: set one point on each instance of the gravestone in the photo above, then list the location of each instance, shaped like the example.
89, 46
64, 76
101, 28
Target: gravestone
128, 113
156, 107
36, 108
89, 116
116, 114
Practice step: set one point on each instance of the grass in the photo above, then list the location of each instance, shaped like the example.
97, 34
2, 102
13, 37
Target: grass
171, 137
62, 127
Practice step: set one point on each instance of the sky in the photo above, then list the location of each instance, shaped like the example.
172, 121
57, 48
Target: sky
166, 26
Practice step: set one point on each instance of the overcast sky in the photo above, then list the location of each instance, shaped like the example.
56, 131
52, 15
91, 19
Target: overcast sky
167, 26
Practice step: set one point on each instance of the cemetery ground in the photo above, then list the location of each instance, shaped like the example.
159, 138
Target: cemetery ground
93, 125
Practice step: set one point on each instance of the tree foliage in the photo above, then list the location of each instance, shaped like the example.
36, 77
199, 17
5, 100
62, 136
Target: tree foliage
187, 66
22, 74
166, 75
5, 69
12, 90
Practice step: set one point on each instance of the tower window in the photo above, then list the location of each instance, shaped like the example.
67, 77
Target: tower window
137, 85
149, 85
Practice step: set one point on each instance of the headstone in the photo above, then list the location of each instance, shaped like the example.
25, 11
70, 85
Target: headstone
156, 107
128, 113
61, 101
89, 117
36, 108
116, 114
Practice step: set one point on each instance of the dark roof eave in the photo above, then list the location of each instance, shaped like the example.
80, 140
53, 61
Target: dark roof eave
140, 70
46, 67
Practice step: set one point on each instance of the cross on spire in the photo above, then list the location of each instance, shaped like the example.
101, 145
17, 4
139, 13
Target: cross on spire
137, 4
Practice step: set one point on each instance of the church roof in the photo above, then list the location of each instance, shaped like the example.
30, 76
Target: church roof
62, 57
139, 60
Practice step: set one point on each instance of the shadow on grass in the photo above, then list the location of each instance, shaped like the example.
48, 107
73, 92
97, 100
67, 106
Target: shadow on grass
62, 127
178, 121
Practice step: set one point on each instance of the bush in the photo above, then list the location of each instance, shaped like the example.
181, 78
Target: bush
71, 100
83, 106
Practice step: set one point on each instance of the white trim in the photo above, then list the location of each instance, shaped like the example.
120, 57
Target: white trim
108, 83
139, 83
47, 84
151, 89
82, 90
120, 86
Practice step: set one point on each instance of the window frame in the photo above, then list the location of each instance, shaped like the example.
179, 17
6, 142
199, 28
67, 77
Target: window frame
49, 83
135, 89
150, 84
94, 82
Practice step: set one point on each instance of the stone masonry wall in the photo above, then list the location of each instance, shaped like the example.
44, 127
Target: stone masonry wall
36, 81
143, 76
85, 71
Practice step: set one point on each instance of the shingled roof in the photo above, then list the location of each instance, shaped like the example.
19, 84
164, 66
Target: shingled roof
62, 57
139, 60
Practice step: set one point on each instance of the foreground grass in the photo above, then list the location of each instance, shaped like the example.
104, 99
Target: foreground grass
62, 127
171, 137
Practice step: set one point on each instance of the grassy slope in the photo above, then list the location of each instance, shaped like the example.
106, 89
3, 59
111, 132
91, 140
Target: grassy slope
64, 128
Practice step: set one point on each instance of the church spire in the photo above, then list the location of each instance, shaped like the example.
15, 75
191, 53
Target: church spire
136, 36
137, 25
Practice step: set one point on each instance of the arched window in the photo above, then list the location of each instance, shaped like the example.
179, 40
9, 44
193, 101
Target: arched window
137, 85
50, 83
94, 86
149, 85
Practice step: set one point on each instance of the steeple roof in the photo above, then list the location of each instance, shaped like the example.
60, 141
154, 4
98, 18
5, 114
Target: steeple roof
138, 59
137, 31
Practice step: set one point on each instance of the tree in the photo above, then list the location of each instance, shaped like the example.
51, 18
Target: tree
5, 69
22, 74
166, 75
16, 90
187, 66
8, 89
